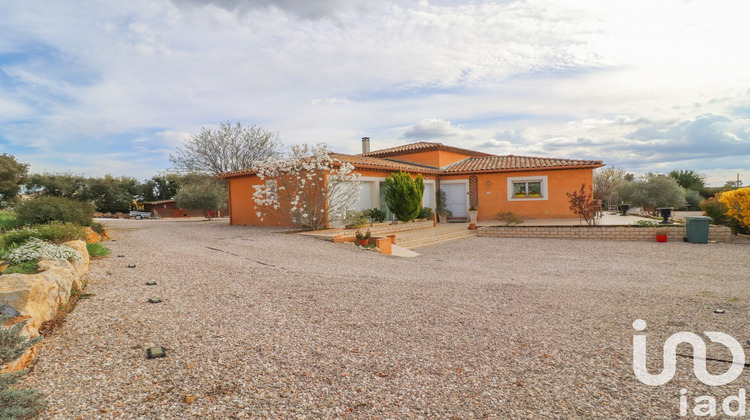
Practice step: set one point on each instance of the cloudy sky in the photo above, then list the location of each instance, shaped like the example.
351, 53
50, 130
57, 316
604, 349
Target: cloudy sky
95, 87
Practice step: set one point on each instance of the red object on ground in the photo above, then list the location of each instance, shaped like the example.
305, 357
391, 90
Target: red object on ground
661, 238
363, 242
393, 239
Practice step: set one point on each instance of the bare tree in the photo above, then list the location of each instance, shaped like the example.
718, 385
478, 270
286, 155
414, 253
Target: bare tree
606, 181
227, 148
582, 203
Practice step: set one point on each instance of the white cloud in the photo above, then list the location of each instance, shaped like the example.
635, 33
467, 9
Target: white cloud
524, 77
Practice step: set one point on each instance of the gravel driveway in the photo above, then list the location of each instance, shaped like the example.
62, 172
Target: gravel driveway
265, 324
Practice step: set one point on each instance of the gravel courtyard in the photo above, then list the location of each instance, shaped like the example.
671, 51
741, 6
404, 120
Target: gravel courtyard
261, 324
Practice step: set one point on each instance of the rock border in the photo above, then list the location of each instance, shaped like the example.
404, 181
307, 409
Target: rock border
39, 296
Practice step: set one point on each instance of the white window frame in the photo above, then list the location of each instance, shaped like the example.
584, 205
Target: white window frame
518, 179
431, 182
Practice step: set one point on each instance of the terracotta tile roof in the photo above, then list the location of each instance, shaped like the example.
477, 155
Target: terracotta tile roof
360, 161
516, 163
482, 162
239, 172
422, 146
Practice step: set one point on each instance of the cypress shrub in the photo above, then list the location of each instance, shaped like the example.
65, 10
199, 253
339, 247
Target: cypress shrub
403, 195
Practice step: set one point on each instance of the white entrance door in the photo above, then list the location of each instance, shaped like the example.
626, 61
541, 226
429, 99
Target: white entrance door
455, 195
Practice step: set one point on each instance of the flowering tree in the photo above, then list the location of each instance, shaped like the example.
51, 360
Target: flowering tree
738, 204
308, 187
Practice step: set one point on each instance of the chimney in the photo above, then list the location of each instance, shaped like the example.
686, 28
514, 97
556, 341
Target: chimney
365, 145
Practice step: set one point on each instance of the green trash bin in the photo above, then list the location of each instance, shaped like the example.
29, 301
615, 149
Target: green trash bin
697, 229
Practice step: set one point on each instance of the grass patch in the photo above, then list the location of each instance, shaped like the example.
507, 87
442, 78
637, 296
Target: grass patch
97, 250
26, 267
8, 220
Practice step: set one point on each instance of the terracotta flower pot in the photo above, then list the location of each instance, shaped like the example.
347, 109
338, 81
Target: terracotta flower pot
393, 239
363, 242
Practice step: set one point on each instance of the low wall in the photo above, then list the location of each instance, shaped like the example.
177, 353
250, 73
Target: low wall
39, 296
612, 233
378, 229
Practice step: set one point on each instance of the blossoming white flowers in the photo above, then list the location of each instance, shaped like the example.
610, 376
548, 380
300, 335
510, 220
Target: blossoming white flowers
333, 187
35, 248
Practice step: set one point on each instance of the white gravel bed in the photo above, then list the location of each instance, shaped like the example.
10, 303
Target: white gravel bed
260, 324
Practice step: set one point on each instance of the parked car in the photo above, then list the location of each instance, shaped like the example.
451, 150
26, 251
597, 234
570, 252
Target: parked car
138, 215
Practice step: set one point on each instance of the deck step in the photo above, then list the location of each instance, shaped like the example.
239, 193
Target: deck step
420, 241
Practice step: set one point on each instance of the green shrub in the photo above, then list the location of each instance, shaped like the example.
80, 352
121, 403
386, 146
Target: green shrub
14, 403
97, 250
692, 200
424, 213
53, 232
97, 227
54, 209
355, 218
25, 267
375, 215
508, 218
442, 204
403, 195
8, 220
717, 211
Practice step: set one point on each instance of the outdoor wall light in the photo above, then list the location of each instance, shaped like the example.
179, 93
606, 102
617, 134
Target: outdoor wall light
155, 352
9, 311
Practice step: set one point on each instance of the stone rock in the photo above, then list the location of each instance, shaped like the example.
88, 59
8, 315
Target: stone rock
91, 236
38, 296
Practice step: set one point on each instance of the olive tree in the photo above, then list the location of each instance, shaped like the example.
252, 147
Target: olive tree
202, 193
12, 176
651, 192
227, 148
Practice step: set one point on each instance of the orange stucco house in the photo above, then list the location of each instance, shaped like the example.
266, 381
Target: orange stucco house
530, 187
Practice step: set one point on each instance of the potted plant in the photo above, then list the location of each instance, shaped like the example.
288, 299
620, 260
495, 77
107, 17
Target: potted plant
473, 212
363, 238
661, 235
441, 207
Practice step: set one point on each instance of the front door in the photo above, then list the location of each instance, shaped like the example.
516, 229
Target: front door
455, 195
